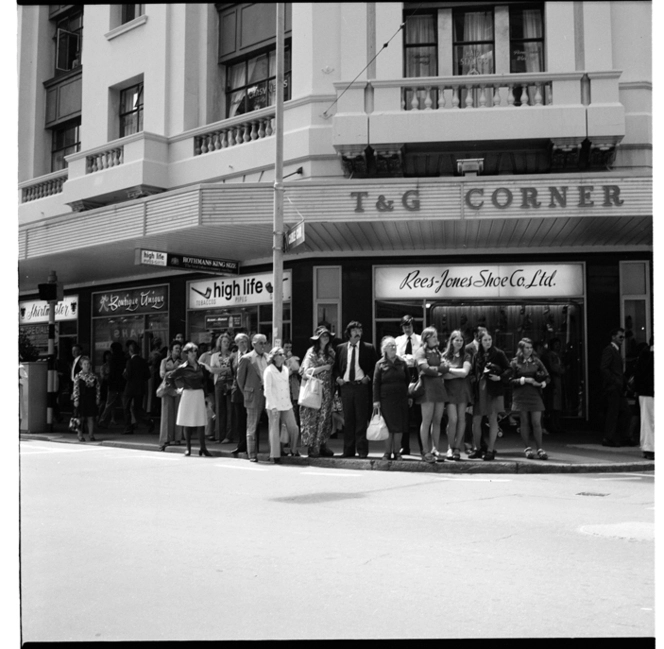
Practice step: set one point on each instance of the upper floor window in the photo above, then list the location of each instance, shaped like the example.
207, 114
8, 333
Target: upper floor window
131, 110
68, 41
473, 41
251, 85
526, 39
66, 139
129, 12
420, 44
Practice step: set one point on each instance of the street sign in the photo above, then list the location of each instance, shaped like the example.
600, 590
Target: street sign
294, 236
186, 262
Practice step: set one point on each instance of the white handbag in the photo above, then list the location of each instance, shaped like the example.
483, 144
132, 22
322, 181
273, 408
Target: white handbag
311, 393
377, 429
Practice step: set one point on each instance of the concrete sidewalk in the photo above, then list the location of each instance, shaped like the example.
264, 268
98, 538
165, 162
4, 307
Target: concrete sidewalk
575, 451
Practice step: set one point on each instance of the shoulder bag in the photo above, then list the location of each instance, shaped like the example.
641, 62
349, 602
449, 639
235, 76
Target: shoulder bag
311, 393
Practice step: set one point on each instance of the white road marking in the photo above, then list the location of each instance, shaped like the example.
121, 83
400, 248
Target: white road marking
35, 450
244, 468
333, 474
454, 479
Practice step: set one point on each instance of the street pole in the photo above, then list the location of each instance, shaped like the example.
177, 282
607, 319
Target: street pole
278, 221
51, 395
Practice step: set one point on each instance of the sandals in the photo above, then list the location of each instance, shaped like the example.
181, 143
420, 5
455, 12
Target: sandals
429, 457
541, 454
456, 455
398, 456
439, 456
529, 453
387, 456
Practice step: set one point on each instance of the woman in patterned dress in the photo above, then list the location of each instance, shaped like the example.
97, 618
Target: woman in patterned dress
459, 392
87, 398
528, 378
220, 366
316, 425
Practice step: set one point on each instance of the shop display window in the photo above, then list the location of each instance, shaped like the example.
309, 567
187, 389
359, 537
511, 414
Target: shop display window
144, 329
508, 323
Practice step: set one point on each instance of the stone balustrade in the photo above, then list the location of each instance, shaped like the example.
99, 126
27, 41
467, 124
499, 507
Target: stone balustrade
44, 187
477, 91
234, 132
104, 160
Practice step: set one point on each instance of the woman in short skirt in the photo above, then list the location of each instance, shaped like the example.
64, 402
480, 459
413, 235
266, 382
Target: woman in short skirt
459, 391
191, 376
528, 378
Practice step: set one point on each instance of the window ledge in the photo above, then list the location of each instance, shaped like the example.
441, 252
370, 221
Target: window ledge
132, 24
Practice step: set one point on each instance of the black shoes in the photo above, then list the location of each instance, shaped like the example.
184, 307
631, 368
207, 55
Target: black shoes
205, 452
187, 453
326, 452
276, 460
151, 427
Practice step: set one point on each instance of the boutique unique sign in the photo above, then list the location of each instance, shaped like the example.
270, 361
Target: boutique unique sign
479, 281
149, 299
243, 290
34, 311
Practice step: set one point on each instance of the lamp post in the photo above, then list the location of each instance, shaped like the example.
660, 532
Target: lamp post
278, 220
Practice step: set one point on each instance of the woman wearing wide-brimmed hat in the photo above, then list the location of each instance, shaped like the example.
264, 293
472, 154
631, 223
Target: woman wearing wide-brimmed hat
316, 425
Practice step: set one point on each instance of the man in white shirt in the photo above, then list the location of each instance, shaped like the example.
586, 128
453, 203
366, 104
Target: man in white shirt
407, 344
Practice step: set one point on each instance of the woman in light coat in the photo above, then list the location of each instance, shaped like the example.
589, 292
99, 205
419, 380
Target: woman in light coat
276, 384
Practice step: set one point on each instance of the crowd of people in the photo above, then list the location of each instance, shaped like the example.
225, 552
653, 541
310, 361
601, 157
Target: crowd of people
453, 392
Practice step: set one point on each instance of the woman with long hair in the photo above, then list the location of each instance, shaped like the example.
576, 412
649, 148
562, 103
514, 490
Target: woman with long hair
528, 377
490, 374
316, 424
169, 431
390, 395
86, 398
220, 366
431, 367
459, 392
191, 376
278, 405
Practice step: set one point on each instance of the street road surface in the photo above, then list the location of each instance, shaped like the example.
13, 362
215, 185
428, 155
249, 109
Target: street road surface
119, 544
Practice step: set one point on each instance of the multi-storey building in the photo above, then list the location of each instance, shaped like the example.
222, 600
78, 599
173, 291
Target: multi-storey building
464, 162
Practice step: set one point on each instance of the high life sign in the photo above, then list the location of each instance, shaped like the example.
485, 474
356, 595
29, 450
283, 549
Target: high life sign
231, 291
493, 281
33, 311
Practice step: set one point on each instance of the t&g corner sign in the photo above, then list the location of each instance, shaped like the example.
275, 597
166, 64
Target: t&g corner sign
481, 281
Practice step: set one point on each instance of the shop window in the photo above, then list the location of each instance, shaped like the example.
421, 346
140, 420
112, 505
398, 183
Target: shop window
68, 41
251, 85
131, 110
387, 317
327, 297
635, 308
66, 139
130, 12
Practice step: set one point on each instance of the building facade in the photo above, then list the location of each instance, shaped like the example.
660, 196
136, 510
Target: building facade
466, 163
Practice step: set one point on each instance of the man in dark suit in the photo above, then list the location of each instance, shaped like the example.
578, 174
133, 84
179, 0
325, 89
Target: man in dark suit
618, 414
136, 375
353, 370
472, 347
250, 370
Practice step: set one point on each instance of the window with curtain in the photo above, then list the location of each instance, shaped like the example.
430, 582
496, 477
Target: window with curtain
251, 83
526, 39
420, 52
131, 110
526, 45
66, 140
473, 41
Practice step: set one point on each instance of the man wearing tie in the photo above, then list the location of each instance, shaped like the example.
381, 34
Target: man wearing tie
353, 370
616, 427
407, 344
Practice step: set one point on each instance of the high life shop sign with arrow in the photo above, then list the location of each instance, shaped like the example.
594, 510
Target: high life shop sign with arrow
186, 262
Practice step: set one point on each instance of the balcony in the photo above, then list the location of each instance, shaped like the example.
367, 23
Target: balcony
420, 126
